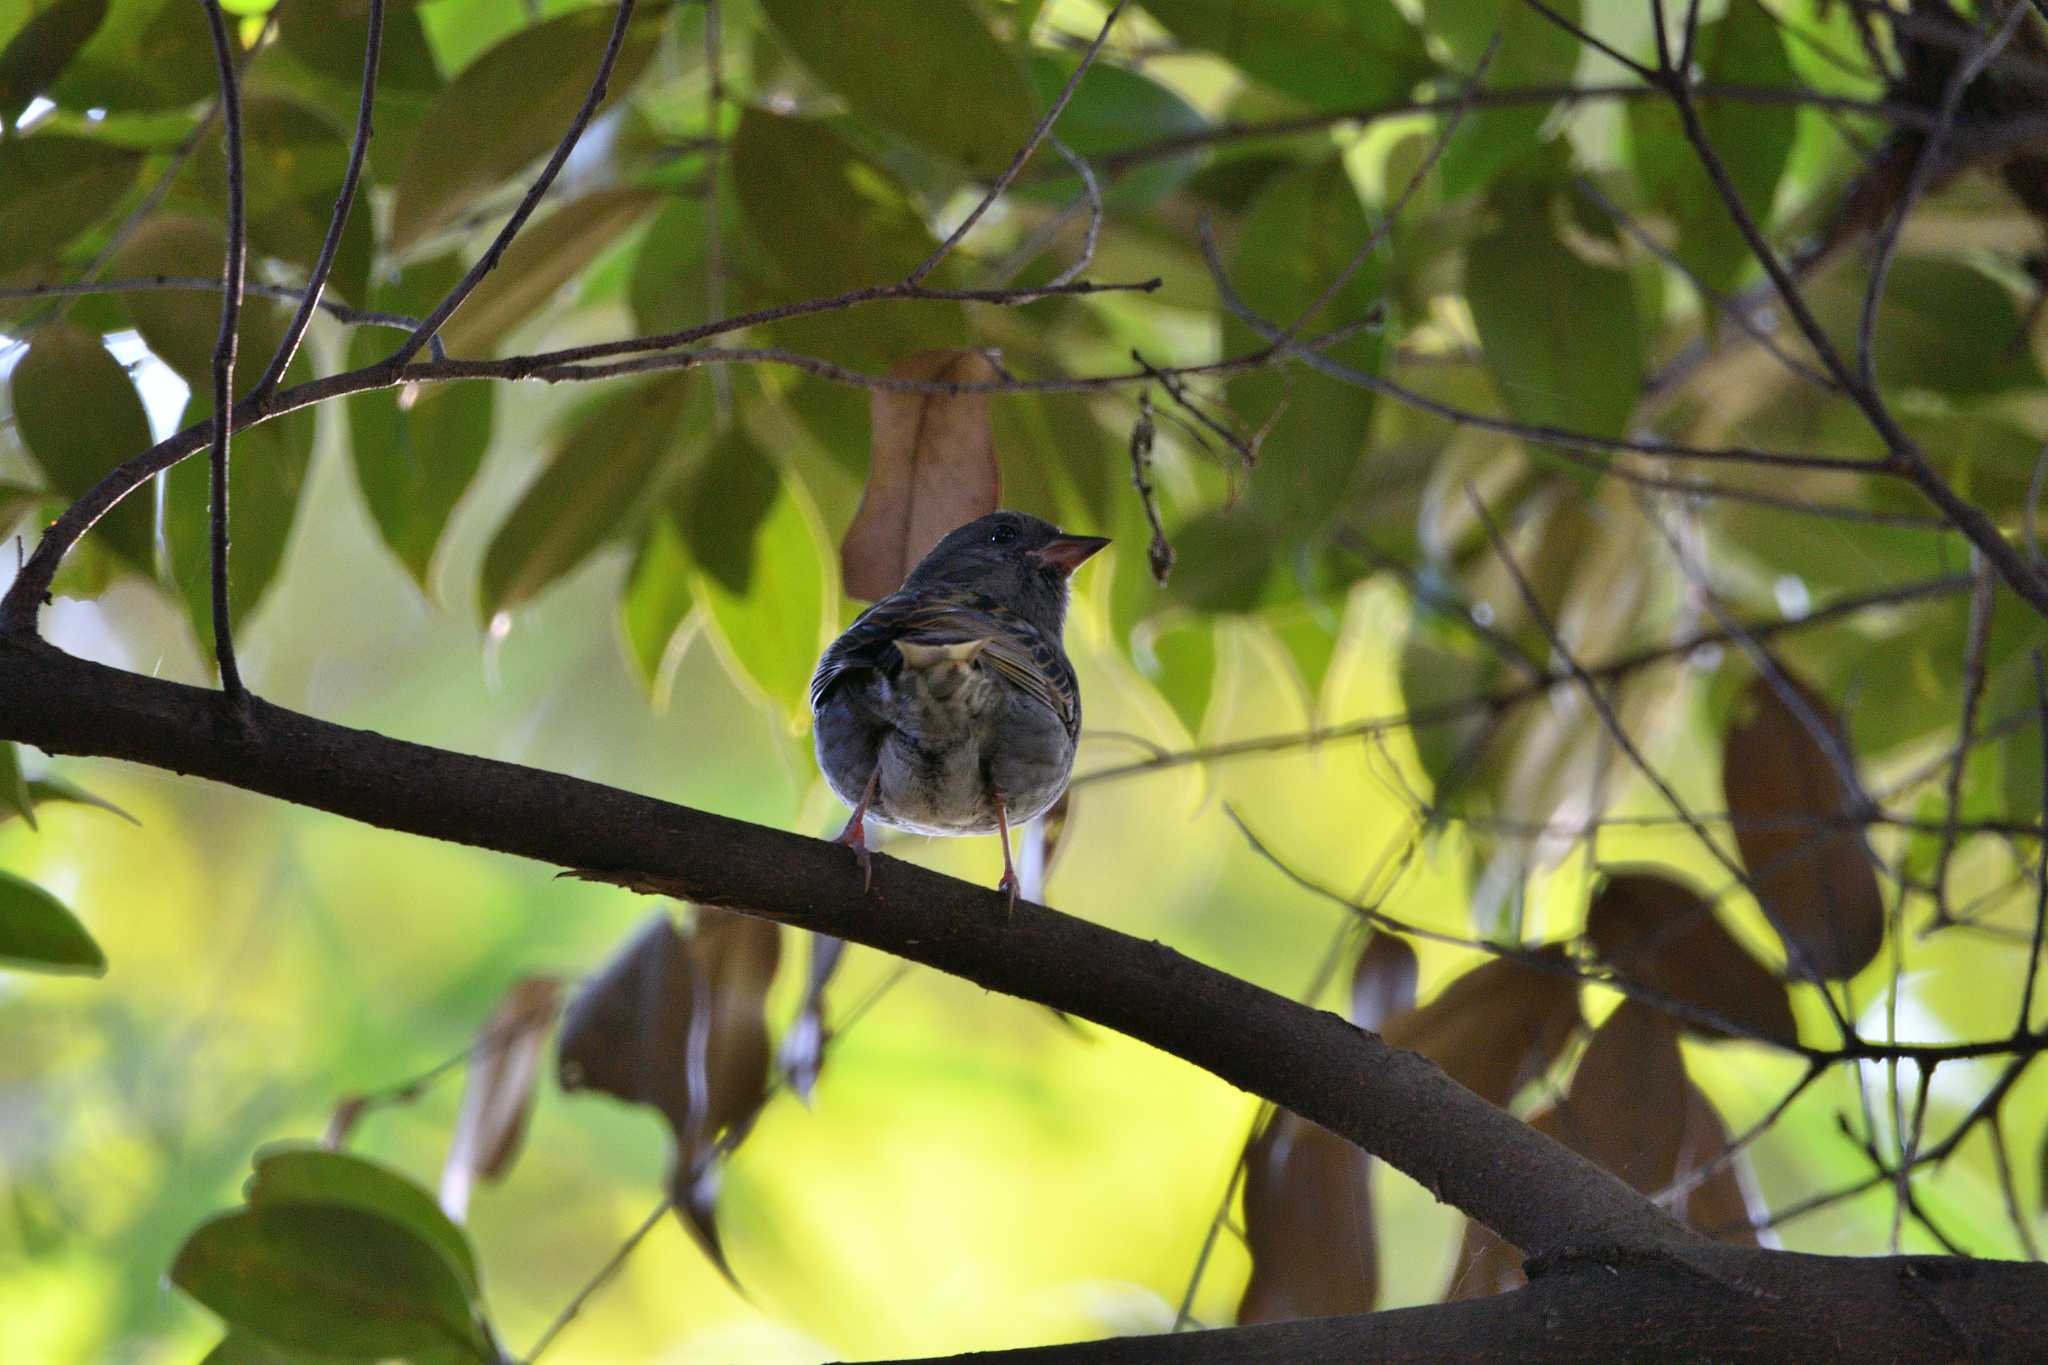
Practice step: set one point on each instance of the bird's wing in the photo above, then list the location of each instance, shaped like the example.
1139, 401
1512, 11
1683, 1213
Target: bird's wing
1018, 651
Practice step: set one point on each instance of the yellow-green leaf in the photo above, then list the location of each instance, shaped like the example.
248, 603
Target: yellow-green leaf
771, 633
38, 934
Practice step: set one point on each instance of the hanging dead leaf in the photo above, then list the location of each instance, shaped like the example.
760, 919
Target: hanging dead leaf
675, 1023
1308, 1224
803, 1047
1383, 982
1499, 1026
497, 1092
1788, 802
932, 467
1658, 932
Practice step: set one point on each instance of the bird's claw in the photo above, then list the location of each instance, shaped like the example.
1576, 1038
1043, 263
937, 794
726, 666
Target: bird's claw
854, 836
1008, 885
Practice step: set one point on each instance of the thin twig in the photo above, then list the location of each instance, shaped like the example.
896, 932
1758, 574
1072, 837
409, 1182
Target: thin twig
1024, 153
1973, 696
2002, 1160
1091, 191
141, 284
597, 1281
2041, 864
232, 272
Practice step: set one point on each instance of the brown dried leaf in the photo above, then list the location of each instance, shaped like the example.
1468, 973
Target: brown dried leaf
1383, 983
932, 467
1815, 882
497, 1092
676, 1023
1657, 931
1308, 1224
1497, 1027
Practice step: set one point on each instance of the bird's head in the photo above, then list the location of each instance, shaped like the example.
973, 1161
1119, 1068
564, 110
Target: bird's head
1013, 557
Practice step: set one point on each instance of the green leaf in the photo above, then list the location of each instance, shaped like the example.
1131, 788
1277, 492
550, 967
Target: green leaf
146, 54
1532, 51
928, 70
771, 625
47, 789
1332, 53
1225, 563
417, 448
1754, 142
543, 258
509, 107
79, 416
1113, 108
289, 1173
38, 934
14, 792
667, 290
727, 501
267, 467
183, 325
1178, 656
57, 187
655, 601
40, 49
1304, 228
1947, 326
1560, 333
616, 458
331, 1279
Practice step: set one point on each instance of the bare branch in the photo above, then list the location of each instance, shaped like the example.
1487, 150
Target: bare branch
233, 270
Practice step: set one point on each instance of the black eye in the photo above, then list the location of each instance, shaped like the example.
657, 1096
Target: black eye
1003, 534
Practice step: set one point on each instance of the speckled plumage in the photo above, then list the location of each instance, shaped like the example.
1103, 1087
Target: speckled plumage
954, 694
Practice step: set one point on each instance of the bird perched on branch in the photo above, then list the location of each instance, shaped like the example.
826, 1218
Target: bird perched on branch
949, 706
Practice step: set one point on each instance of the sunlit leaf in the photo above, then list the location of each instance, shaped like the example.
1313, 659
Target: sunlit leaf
78, 413
1497, 1027
1559, 331
329, 1278
655, 600
509, 107
57, 187
616, 457
1654, 930
675, 1023
1790, 808
543, 258
290, 1173
38, 934
1332, 53
40, 48
772, 630
932, 466
497, 1092
928, 70
1753, 141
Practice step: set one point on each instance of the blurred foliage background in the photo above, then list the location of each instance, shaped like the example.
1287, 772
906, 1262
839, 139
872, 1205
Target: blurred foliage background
629, 582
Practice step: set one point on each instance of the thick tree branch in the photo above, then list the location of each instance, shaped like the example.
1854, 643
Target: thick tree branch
1534, 1192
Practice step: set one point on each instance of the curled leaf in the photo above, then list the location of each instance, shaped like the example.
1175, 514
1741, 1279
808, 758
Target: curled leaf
498, 1090
932, 467
1499, 1026
1655, 931
1792, 814
675, 1022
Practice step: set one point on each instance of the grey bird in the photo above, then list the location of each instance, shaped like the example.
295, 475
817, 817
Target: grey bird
949, 706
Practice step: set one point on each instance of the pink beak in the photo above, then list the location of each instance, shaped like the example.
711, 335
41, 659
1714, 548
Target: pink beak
1068, 553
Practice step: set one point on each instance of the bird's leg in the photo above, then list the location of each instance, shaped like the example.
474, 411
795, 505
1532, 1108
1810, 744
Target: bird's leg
855, 836
1009, 881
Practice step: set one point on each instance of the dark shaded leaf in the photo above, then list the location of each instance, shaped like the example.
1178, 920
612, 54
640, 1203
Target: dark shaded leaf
15, 798
728, 499
40, 48
1308, 1224
331, 1279
1497, 1027
57, 187
146, 54
543, 258
45, 789
239, 1348
928, 70
38, 934
183, 326
1113, 108
1653, 930
655, 601
330, 36
1787, 801
676, 1023
1560, 332
615, 459
1225, 562
668, 288
508, 108
79, 415
802, 1052
291, 1173
415, 448
1947, 325
1626, 1105
497, 1091
1506, 142
1753, 141
1331, 53
1177, 654
932, 466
